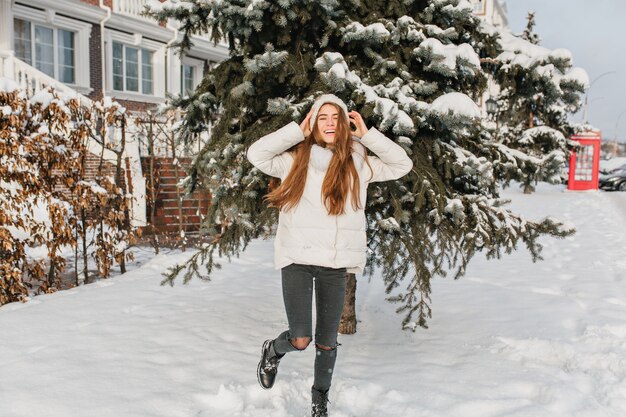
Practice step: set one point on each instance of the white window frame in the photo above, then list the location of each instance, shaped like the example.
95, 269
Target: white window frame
55, 48
158, 67
197, 66
140, 65
82, 32
479, 7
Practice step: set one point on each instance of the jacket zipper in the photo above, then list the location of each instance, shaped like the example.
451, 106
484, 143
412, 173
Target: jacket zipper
336, 234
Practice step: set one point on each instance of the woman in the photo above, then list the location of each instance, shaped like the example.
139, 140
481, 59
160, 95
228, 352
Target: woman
321, 227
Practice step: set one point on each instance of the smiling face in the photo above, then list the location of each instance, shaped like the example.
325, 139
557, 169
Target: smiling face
326, 123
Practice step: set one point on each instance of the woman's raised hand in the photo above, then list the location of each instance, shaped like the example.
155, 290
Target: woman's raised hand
359, 123
305, 126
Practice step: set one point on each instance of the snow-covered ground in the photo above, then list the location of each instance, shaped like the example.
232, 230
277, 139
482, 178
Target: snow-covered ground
510, 339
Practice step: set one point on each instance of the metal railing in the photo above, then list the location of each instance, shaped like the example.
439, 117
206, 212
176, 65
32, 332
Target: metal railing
158, 136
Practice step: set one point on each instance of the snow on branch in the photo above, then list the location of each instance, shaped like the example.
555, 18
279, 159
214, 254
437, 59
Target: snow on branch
577, 75
529, 136
518, 51
375, 32
265, 61
445, 58
456, 103
407, 28
335, 72
8, 86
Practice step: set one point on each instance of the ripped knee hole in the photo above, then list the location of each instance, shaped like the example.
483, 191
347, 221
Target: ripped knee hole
322, 347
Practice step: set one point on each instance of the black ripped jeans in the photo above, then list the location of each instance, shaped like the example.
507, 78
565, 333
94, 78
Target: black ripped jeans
330, 285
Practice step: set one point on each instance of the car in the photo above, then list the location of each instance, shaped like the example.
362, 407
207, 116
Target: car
615, 181
614, 170
608, 166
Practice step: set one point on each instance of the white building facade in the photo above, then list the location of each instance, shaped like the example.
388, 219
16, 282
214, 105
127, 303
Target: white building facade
101, 48
494, 13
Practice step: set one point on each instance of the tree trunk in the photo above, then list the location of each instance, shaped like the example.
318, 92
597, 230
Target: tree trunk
528, 187
83, 219
181, 232
347, 325
151, 180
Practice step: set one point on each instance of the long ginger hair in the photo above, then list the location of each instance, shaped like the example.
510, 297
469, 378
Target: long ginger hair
341, 176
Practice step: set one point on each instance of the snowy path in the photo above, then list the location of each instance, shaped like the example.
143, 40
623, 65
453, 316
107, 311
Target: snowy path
510, 339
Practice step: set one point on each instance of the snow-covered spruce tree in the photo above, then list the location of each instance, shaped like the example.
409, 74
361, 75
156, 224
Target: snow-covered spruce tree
411, 68
529, 33
538, 90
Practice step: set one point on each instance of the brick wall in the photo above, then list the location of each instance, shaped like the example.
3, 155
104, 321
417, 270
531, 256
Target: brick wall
95, 63
169, 217
96, 66
91, 170
136, 106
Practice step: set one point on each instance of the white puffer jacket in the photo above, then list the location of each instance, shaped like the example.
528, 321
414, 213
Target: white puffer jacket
307, 234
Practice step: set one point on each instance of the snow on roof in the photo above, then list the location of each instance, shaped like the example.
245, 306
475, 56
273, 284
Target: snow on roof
457, 103
586, 128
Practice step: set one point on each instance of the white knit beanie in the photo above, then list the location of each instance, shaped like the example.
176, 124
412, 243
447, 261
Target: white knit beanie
323, 99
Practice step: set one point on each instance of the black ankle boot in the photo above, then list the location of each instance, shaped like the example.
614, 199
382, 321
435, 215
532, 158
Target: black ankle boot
319, 403
268, 366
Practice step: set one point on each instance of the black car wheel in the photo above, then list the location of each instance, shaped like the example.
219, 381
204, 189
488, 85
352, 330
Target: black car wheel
622, 186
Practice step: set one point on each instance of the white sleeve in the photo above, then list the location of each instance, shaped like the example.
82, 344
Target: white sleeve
268, 153
391, 161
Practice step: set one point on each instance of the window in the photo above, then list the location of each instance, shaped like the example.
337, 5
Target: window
479, 6
52, 52
584, 163
22, 40
132, 69
187, 83
67, 66
146, 71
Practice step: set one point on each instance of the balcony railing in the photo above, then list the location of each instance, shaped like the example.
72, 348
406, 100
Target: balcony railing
135, 8
130, 7
32, 80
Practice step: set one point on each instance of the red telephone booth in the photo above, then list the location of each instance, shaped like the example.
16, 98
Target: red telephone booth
584, 164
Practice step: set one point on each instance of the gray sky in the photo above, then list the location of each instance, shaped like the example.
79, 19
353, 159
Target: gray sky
595, 32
